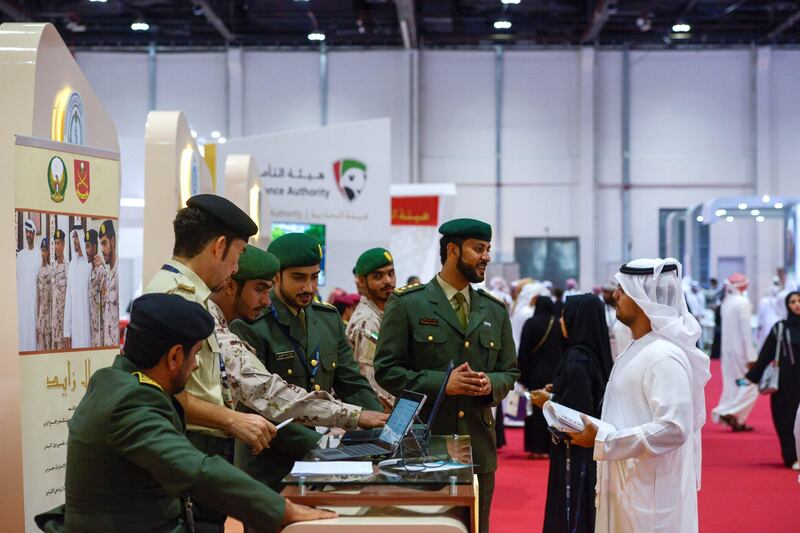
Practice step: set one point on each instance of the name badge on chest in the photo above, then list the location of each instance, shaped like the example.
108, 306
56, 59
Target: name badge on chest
283, 356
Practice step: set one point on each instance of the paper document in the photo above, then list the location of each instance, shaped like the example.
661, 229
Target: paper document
564, 419
332, 468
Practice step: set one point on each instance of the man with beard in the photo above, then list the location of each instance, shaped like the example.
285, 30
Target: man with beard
426, 326
98, 288
303, 342
210, 235
76, 306
27, 266
376, 277
59, 293
108, 245
129, 465
44, 298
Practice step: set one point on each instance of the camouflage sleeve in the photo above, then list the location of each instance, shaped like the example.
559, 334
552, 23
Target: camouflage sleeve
275, 399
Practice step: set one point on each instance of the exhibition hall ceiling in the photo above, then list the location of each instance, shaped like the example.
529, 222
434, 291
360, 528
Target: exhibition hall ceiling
412, 23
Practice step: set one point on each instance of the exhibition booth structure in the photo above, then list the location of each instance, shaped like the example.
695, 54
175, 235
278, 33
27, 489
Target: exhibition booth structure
331, 182
243, 187
59, 157
174, 170
417, 211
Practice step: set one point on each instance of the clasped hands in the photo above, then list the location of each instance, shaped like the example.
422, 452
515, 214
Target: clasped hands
466, 382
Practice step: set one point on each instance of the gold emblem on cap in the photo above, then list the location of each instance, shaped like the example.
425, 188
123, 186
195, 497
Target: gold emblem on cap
320, 250
388, 256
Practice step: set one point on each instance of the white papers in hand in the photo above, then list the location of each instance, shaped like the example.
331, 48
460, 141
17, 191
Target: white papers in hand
332, 468
564, 419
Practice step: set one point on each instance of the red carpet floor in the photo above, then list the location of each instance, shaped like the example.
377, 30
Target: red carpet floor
745, 485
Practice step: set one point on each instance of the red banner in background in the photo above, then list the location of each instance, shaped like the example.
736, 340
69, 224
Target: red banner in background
415, 211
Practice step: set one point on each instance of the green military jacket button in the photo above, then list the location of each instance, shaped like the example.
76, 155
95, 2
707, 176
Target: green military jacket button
466, 344
461, 414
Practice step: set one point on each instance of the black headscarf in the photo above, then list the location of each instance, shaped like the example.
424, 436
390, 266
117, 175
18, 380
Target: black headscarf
792, 320
543, 311
584, 316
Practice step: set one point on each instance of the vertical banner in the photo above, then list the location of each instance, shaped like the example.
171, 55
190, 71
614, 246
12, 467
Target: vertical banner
65, 226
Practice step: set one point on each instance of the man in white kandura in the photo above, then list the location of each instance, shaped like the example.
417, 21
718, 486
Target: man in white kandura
648, 463
28, 262
77, 323
736, 356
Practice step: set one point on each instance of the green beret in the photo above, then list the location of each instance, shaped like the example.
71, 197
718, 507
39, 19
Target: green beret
296, 250
225, 212
372, 260
466, 227
58, 235
91, 236
255, 263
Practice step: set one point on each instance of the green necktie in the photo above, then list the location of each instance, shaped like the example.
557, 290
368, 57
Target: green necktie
460, 307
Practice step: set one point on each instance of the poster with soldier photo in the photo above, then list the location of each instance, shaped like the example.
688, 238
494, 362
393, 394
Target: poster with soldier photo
67, 283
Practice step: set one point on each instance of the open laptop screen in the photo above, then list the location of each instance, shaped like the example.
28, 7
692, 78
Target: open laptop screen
405, 409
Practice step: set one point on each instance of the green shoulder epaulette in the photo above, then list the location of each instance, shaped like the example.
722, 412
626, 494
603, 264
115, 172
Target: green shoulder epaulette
409, 288
493, 297
146, 380
324, 305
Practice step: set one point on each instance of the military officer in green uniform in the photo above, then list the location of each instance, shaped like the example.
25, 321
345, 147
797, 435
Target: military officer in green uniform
302, 341
130, 468
425, 326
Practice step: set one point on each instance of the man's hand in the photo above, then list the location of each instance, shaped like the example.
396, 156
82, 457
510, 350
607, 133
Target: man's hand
98, 260
539, 397
459, 449
372, 419
586, 438
252, 429
463, 381
386, 403
295, 512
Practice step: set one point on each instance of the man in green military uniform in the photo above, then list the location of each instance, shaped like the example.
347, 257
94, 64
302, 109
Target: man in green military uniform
129, 466
302, 341
425, 326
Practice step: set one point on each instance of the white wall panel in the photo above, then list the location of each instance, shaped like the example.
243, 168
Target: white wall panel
281, 91
194, 83
365, 85
785, 121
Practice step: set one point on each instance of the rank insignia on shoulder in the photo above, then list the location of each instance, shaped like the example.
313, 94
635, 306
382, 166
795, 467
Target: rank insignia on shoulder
147, 380
186, 287
408, 288
428, 322
326, 305
492, 296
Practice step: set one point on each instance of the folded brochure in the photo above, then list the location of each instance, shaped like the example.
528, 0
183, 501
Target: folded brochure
564, 419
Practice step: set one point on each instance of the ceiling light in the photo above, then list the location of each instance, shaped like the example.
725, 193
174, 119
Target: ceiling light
729, 219
316, 36
502, 24
512, 2
140, 26
720, 212
760, 219
644, 22
75, 27
681, 27
700, 218
742, 206
765, 198
778, 205
222, 140
194, 134
215, 134
98, 1
755, 212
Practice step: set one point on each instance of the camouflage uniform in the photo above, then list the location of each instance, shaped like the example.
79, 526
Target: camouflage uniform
44, 298
111, 307
58, 301
98, 289
267, 393
362, 332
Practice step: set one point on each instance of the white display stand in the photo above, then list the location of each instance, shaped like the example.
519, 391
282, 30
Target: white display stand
44, 101
242, 187
174, 170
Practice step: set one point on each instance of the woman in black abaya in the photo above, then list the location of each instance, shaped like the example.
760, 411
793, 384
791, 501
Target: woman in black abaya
541, 348
786, 399
580, 383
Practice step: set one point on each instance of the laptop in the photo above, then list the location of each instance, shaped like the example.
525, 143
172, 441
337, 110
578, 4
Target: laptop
421, 431
405, 409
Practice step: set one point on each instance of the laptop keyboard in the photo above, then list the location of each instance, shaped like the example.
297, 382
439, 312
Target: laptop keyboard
362, 449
